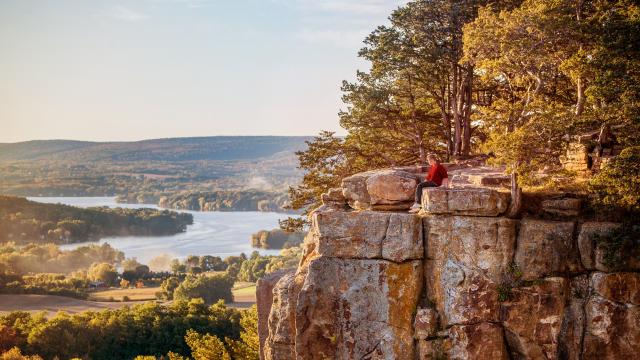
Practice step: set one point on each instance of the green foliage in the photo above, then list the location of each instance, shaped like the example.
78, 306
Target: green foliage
620, 246
103, 272
505, 293
418, 97
35, 258
205, 347
555, 68
44, 284
248, 347
617, 185
16, 354
124, 333
210, 288
615, 66
276, 239
167, 287
253, 268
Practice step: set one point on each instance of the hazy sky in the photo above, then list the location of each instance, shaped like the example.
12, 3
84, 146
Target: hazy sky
128, 70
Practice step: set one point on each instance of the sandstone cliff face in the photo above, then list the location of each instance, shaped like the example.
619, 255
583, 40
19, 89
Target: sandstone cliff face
457, 281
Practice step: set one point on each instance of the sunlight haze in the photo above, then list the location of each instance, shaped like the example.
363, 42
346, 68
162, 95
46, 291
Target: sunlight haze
109, 70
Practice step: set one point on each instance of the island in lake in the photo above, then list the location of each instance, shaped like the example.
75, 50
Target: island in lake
23, 221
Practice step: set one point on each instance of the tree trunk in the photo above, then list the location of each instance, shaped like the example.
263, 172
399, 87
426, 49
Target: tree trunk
516, 198
468, 102
457, 123
581, 98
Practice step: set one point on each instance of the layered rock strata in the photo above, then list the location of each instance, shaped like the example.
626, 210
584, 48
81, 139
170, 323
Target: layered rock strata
457, 281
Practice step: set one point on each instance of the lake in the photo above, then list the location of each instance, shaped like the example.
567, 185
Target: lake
212, 233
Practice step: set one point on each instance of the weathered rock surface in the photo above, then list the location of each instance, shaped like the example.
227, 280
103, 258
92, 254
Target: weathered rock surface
587, 243
563, 206
389, 187
546, 248
280, 343
458, 283
592, 243
380, 190
465, 201
622, 287
264, 300
533, 318
482, 341
354, 189
426, 323
334, 198
461, 294
571, 331
355, 309
612, 330
368, 235
433, 349
467, 259
478, 242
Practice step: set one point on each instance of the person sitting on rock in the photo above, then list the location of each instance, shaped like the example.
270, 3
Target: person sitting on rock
437, 176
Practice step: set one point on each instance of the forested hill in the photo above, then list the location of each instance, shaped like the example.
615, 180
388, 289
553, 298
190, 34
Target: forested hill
169, 149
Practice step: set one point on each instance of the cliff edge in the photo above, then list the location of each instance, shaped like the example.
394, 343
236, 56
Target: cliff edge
457, 281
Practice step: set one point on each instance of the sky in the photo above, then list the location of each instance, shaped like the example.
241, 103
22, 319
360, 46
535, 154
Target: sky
128, 70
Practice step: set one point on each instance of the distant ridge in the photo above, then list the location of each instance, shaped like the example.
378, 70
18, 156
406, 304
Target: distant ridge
167, 149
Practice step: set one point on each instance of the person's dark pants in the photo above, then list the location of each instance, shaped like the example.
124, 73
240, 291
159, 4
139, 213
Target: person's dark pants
419, 189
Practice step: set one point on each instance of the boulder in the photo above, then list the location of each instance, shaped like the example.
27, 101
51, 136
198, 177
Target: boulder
354, 309
388, 189
483, 341
464, 201
354, 190
612, 330
546, 248
264, 300
426, 323
368, 235
532, 319
622, 287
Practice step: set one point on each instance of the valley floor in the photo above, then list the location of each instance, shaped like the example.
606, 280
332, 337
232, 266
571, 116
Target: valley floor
244, 296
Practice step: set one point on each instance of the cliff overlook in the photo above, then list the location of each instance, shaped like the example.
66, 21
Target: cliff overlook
459, 280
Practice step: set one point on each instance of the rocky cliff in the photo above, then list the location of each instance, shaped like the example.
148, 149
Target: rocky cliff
456, 281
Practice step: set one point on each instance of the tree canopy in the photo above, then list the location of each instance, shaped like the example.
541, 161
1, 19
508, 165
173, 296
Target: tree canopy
513, 79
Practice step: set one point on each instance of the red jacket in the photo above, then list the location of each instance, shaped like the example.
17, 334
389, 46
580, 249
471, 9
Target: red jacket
437, 173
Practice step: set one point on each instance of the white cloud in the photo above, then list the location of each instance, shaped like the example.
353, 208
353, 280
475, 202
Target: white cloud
126, 14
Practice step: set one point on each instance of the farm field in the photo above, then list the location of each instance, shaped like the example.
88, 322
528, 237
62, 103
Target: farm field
52, 304
142, 294
244, 294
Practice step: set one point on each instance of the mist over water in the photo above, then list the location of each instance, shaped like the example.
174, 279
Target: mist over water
212, 233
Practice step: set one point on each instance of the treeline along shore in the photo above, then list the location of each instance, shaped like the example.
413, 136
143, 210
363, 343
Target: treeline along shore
25, 221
